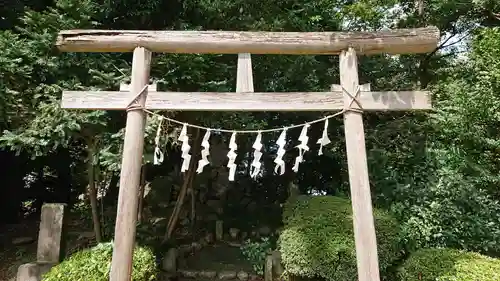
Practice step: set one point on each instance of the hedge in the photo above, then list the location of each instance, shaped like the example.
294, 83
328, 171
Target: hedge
94, 264
318, 238
449, 265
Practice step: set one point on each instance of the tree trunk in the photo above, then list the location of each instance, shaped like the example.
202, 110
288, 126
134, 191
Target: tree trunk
193, 210
92, 190
111, 196
188, 180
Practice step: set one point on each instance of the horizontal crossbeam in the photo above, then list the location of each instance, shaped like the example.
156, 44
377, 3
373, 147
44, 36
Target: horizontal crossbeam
248, 101
399, 41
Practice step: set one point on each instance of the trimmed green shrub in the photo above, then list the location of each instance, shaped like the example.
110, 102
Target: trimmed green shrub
449, 265
318, 238
94, 264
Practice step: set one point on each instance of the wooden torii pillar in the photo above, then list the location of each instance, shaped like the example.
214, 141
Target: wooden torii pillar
349, 96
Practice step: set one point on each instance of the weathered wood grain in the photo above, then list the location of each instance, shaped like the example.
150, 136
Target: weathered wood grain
130, 173
398, 41
248, 101
244, 74
363, 221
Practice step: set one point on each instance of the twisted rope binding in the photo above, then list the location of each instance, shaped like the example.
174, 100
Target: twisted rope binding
133, 104
354, 99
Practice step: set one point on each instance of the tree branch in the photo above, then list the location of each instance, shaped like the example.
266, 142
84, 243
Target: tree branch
441, 46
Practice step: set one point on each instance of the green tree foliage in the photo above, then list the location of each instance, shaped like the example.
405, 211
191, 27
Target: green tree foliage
35, 78
95, 264
318, 238
449, 265
441, 172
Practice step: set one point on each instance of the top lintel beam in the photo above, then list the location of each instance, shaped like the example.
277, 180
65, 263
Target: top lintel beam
398, 41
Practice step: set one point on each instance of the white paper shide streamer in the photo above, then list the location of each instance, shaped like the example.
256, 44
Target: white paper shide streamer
158, 154
280, 163
232, 156
257, 154
204, 153
303, 138
324, 140
183, 137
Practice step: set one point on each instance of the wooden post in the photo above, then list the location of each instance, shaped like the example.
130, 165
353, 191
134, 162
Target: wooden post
126, 218
364, 226
244, 74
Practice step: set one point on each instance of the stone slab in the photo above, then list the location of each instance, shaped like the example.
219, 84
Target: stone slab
50, 237
32, 271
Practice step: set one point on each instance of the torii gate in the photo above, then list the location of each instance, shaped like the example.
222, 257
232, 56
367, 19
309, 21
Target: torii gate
348, 96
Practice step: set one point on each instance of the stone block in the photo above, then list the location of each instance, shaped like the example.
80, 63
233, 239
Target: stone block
268, 268
169, 263
242, 276
32, 271
219, 230
226, 275
208, 274
50, 237
278, 268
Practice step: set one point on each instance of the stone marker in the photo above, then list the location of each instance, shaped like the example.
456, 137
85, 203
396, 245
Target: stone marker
169, 263
50, 235
278, 269
268, 268
50, 238
219, 230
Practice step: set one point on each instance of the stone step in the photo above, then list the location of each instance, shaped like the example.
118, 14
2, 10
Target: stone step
202, 275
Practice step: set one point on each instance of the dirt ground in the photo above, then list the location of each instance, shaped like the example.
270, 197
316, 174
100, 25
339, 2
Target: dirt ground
12, 255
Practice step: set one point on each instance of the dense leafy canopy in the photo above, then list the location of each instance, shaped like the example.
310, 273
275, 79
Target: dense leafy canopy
447, 180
